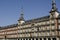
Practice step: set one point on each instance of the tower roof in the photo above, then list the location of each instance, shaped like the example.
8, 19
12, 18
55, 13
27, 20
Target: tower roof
53, 6
21, 18
21, 15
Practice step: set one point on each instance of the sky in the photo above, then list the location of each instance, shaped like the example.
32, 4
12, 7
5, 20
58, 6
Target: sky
10, 10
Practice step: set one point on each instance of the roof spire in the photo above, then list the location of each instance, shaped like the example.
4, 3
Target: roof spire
54, 12
21, 15
53, 6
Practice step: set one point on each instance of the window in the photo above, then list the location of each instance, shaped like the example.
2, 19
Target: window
20, 35
53, 33
48, 22
32, 34
43, 28
1, 33
59, 21
43, 23
48, 27
59, 26
59, 33
28, 35
53, 27
27, 25
48, 33
1, 37
39, 28
39, 34
52, 21
12, 36
19, 31
10, 32
35, 29
38, 24
35, 34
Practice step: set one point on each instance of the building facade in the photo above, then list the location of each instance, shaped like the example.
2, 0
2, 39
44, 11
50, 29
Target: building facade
44, 28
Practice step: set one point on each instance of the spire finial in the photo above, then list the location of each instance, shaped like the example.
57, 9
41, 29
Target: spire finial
21, 7
54, 5
53, 1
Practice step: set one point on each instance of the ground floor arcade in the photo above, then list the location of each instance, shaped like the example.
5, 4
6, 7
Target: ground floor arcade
31, 39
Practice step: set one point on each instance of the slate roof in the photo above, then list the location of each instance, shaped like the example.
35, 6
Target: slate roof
27, 22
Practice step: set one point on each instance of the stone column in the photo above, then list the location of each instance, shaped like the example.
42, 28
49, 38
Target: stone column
34, 38
42, 38
25, 38
38, 38
51, 38
22, 38
57, 38
28, 38
31, 38
19, 39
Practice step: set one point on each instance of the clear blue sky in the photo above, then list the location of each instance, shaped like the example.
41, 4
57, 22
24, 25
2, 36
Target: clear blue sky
10, 10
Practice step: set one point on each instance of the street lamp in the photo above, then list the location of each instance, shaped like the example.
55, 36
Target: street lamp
5, 37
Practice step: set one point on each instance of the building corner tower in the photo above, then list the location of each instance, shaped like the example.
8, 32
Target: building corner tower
54, 13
